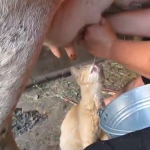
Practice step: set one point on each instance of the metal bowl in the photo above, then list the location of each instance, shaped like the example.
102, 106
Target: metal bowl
128, 113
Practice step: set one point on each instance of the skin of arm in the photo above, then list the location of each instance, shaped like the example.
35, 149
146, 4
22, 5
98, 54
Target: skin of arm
101, 41
135, 23
134, 54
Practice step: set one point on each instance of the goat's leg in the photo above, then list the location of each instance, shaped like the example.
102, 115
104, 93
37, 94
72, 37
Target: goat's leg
23, 25
7, 141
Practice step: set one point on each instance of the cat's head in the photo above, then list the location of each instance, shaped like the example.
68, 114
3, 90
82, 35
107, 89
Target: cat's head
88, 74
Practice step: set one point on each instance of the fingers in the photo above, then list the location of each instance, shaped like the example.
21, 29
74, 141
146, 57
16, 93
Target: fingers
70, 50
93, 29
56, 51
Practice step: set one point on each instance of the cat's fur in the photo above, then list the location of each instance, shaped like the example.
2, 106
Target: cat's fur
80, 128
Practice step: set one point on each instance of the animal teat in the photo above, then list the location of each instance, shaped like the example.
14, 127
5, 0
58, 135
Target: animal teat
88, 74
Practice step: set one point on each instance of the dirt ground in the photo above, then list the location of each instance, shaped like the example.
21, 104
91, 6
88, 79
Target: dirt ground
51, 99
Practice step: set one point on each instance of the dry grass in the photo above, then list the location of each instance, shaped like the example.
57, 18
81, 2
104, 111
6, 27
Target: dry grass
66, 89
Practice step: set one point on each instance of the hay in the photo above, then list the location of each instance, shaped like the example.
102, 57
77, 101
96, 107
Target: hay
116, 76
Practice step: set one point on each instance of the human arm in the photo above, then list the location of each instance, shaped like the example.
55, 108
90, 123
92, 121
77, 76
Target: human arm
134, 54
79, 17
135, 23
64, 29
101, 41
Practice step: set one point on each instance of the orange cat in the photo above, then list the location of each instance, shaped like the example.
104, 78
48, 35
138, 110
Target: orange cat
80, 128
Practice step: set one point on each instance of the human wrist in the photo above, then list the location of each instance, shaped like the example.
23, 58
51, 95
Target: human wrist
113, 48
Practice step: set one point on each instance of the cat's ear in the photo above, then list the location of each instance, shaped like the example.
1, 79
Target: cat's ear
75, 71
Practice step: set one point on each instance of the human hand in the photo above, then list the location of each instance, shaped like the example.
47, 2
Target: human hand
99, 38
65, 28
